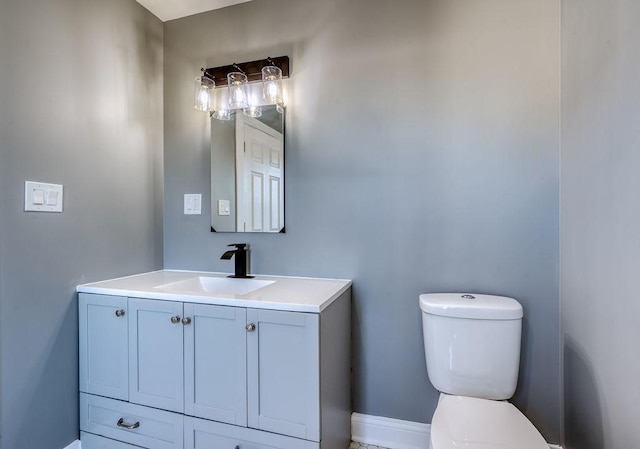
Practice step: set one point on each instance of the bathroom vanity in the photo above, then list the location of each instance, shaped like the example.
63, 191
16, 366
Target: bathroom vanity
173, 360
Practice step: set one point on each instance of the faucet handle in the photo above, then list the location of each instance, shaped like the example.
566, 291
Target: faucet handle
240, 246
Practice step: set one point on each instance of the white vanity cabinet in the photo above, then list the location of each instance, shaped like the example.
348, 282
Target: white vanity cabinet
171, 375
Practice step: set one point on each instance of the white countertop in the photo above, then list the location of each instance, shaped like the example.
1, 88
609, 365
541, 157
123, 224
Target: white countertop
285, 293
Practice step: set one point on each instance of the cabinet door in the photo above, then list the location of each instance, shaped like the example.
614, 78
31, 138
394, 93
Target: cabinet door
103, 345
215, 363
155, 354
283, 373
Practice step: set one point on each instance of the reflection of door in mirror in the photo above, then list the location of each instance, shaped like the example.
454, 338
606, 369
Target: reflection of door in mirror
247, 172
259, 175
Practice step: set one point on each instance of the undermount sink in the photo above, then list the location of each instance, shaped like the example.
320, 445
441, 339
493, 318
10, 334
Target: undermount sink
215, 285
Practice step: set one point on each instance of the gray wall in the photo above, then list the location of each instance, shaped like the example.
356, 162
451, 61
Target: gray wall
600, 214
81, 105
422, 156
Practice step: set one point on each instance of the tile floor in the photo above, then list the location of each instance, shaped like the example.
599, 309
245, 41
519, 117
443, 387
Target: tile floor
356, 445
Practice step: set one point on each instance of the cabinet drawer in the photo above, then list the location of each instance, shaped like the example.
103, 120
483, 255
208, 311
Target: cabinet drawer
91, 441
154, 428
202, 434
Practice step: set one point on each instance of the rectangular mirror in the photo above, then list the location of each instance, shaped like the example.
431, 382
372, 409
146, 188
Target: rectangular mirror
247, 172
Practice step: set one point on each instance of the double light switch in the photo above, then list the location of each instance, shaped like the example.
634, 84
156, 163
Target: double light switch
42, 197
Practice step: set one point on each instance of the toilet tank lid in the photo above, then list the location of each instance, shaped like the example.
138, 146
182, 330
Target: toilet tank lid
471, 305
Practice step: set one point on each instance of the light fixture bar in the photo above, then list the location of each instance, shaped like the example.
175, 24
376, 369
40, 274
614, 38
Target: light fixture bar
252, 69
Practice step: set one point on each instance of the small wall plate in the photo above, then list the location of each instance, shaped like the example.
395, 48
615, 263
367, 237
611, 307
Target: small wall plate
192, 204
42, 197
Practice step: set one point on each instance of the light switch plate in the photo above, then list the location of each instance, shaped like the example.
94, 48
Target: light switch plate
224, 207
42, 197
192, 204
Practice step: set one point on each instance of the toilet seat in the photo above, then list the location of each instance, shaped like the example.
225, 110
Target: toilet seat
474, 423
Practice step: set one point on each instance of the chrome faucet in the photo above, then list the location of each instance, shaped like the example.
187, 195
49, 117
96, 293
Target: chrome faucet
241, 252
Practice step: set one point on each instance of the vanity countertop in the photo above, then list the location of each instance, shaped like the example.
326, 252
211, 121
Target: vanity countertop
268, 292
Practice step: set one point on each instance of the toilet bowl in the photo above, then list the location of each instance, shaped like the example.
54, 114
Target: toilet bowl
472, 423
472, 349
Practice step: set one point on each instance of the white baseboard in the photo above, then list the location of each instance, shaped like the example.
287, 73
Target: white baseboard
393, 433
389, 432
74, 445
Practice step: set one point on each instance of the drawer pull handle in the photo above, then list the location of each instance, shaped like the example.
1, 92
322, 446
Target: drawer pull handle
175, 319
186, 321
121, 423
119, 312
250, 327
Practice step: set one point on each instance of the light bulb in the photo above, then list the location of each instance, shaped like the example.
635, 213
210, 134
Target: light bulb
204, 100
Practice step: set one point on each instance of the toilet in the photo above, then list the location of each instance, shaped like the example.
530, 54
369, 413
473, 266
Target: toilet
472, 349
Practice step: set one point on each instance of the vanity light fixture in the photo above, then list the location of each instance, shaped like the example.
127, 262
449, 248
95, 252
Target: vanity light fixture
239, 95
203, 99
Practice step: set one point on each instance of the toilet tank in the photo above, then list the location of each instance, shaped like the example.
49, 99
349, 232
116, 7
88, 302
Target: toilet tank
472, 343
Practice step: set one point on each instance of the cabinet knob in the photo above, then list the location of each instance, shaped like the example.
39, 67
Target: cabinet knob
250, 327
186, 320
119, 312
175, 319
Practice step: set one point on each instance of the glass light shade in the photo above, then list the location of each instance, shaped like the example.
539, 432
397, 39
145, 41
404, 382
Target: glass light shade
253, 111
203, 98
272, 84
222, 114
237, 83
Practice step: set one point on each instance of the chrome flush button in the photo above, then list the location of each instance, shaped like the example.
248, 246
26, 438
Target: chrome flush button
468, 297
